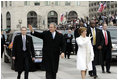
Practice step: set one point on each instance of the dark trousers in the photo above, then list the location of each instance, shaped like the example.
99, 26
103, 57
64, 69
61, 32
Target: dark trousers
68, 50
2, 50
94, 71
26, 68
67, 53
106, 57
50, 75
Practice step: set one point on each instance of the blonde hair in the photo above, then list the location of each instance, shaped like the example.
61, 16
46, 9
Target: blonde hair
82, 29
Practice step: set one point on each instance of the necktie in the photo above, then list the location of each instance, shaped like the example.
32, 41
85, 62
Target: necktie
53, 35
24, 44
106, 41
94, 38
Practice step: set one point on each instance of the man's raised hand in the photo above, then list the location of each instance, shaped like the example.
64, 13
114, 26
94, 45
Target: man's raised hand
30, 28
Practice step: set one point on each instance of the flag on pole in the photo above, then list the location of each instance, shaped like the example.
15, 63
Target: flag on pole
104, 5
101, 7
62, 17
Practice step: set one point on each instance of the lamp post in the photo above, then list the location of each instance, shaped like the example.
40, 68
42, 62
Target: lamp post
66, 17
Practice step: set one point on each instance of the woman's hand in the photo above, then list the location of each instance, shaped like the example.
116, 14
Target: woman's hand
90, 36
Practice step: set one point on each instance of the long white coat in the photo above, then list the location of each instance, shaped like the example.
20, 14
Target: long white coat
85, 53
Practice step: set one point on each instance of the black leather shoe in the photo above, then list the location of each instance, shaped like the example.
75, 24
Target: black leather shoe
91, 75
18, 77
103, 71
95, 77
108, 72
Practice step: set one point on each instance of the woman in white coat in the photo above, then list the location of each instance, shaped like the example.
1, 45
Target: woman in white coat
85, 53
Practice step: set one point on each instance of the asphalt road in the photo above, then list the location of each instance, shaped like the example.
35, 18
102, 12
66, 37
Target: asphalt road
67, 70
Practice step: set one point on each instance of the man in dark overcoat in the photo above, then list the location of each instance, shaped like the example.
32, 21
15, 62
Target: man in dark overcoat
53, 47
106, 50
69, 47
97, 43
2, 43
23, 53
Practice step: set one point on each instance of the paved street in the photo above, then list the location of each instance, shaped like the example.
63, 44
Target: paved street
67, 70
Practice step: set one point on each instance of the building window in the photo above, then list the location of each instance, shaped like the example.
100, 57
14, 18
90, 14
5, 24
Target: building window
94, 9
32, 18
112, 6
56, 3
26, 3
36, 3
67, 3
78, 3
115, 5
91, 9
112, 12
47, 3
1, 3
94, 4
8, 20
10, 3
6, 3
52, 17
72, 16
89, 5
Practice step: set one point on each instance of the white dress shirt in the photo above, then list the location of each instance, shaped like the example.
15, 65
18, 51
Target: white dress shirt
53, 34
103, 31
23, 36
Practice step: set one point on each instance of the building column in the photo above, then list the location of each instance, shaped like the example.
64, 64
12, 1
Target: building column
4, 20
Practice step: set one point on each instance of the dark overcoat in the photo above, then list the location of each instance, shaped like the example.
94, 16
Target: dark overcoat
99, 42
69, 46
52, 48
17, 52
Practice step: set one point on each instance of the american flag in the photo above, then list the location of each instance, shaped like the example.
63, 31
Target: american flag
101, 7
62, 17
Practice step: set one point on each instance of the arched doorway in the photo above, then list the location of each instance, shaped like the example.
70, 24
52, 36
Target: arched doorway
32, 19
8, 20
52, 17
72, 15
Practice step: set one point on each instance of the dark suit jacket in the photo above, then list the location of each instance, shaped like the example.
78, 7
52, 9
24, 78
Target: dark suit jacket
51, 49
2, 40
109, 46
18, 52
76, 33
99, 38
106, 50
68, 45
99, 42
